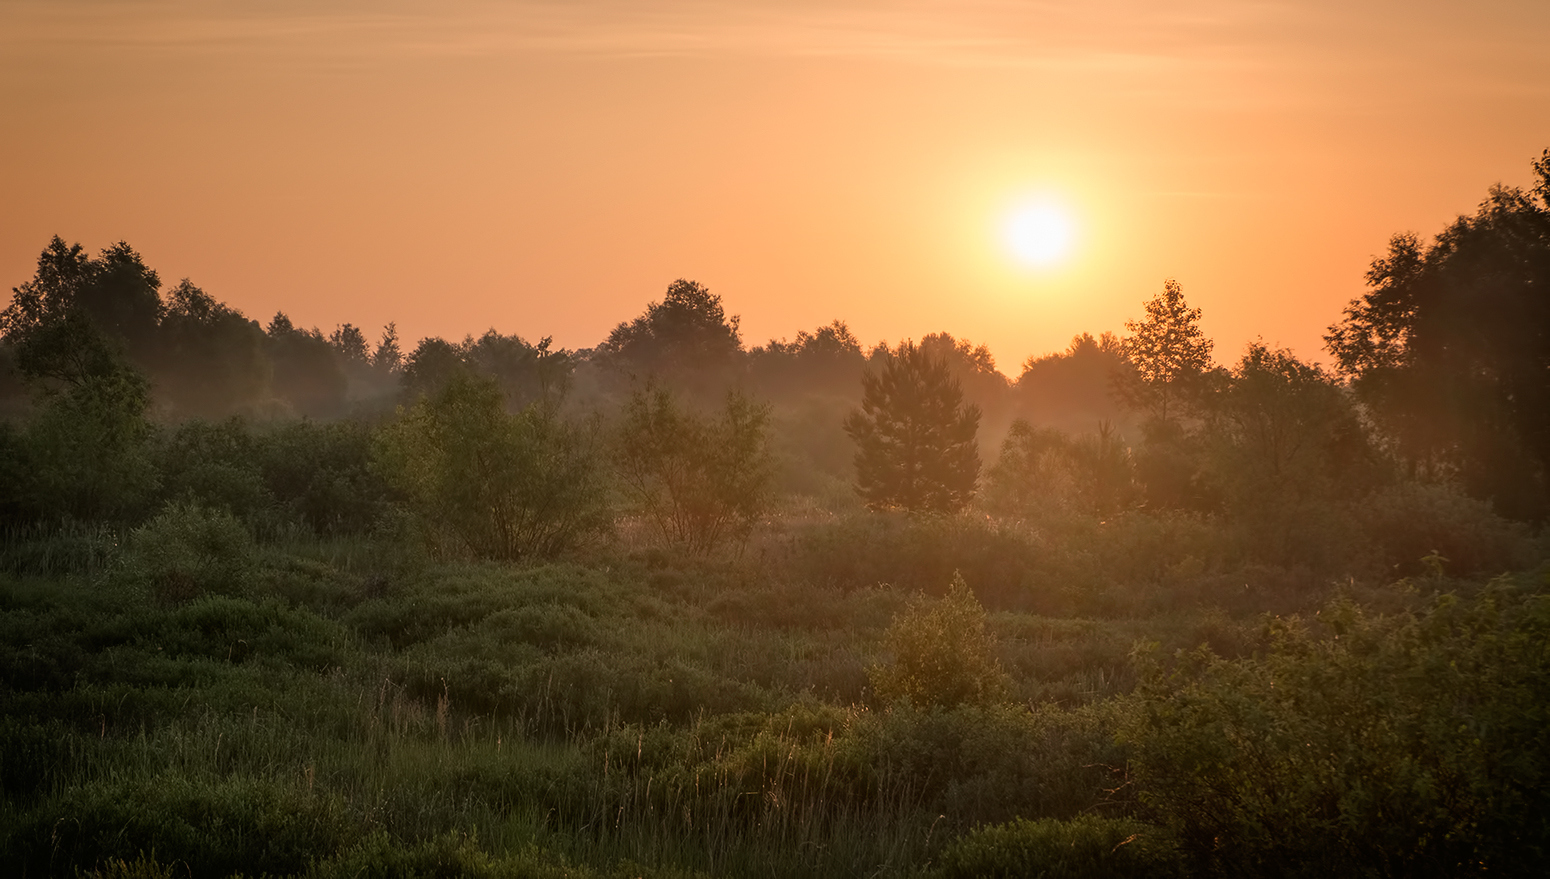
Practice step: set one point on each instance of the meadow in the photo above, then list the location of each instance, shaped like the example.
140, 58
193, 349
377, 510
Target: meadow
184, 698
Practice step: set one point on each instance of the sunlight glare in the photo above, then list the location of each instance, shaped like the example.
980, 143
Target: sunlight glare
1039, 235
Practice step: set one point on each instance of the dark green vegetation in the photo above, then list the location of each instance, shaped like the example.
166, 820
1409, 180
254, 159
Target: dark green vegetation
496, 609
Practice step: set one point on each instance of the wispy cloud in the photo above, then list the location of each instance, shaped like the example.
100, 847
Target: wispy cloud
1117, 34
1213, 50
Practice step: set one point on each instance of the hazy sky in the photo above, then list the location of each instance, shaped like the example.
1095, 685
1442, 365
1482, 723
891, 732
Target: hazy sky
548, 168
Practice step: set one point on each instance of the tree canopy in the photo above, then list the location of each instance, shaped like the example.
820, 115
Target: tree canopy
686, 339
914, 435
1167, 351
1450, 347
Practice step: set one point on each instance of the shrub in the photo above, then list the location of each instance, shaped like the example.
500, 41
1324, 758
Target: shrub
213, 827
320, 475
940, 653
1406, 745
1044, 471
504, 486
918, 553
1412, 520
214, 464
187, 550
699, 481
86, 451
991, 763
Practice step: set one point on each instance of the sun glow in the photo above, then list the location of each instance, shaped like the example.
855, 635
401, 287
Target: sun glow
1039, 235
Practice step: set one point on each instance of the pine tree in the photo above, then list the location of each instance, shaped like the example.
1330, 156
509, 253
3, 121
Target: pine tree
914, 436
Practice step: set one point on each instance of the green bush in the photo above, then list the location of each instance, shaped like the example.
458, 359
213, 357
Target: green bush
322, 476
698, 481
1405, 745
1043, 471
238, 630
86, 451
215, 464
186, 550
920, 553
1086, 847
502, 486
991, 763
939, 653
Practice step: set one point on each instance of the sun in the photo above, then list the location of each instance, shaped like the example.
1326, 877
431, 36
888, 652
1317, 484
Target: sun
1039, 235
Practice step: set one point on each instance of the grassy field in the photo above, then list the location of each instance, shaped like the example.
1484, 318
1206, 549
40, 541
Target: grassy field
183, 700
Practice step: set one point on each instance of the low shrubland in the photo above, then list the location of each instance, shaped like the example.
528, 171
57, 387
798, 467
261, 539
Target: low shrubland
851, 695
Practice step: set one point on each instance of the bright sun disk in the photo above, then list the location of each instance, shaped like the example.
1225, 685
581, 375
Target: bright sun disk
1039, 235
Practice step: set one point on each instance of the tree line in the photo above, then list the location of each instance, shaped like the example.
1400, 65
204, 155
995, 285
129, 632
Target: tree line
119, 397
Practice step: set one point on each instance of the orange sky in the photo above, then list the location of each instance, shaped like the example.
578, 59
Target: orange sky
547, 168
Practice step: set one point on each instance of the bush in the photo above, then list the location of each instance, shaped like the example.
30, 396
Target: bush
214, 464
940, 654
504, 486
321, 475
1406, 745
1412, 520
86, 451
187, 551
920, 553
1042, 471
992, 763
698, 481
1088, 846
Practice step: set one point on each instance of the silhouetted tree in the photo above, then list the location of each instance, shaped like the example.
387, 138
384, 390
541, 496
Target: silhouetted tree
526, 373
686, 340
1450, 349
307, 372
1168, 353
116, 294
388, 357
1073, 389
975, 370
1284, 447
212, 360
430, 367
350, 343
915, 437
1287, 426
826, 361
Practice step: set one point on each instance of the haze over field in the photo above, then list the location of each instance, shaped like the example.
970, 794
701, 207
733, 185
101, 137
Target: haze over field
547, 167
914, 440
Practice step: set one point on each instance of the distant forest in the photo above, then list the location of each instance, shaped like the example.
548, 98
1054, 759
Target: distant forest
1439, 379
281, 601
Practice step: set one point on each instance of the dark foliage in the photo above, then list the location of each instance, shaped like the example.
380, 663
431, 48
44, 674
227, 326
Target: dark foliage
915, 438
1451, 347
686, 341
